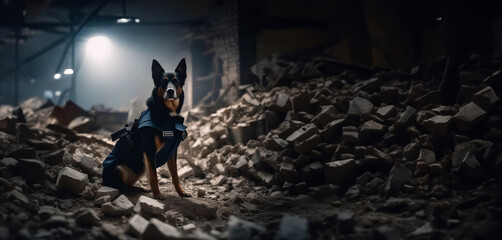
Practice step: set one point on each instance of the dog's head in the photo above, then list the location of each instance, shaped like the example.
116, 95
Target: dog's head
169, 84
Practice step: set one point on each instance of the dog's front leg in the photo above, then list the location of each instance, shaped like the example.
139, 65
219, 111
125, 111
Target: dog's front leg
173, 169
152, 177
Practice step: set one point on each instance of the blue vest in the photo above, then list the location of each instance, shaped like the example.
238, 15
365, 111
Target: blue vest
171, 129
171, 132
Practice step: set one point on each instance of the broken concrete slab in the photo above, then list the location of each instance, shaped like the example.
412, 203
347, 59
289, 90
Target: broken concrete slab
303, 133
288, 172
386, 111
485, 98
341, 173
137, 225
85, 161
371, 130
149, 205
55, 157
398, 176
185, 172
218, 181
307, 144
360, 106
160, 230
87, 217
300, 102
438, 125
107, 191
71, 180
469, 116
192, 207
119, 207
325, 116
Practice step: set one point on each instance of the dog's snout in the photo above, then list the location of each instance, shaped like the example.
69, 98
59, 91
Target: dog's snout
170, 92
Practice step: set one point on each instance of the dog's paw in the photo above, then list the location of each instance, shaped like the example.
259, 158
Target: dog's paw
183, 193
158, 196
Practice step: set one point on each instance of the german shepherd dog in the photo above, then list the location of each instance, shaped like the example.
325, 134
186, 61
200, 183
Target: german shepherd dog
158, 136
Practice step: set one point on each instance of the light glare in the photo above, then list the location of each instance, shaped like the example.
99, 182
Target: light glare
57, 76
68, 71
123, 20
98, 47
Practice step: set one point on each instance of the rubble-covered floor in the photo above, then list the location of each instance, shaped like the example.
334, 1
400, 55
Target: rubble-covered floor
333, 155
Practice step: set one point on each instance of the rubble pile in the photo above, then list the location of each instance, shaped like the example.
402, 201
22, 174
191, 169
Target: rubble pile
348, 152
383, 137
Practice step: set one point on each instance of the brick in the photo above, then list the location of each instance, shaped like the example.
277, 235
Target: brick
341, 173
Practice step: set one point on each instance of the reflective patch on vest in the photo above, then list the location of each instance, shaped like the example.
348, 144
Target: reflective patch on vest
167, 133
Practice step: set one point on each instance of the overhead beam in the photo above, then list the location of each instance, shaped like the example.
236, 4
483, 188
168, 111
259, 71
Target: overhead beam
57, 42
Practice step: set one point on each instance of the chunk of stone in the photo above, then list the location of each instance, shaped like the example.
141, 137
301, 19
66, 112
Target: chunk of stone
84, 161
485, 98
332, 130
288, 172
471, 169
242, 229
32, 170
386, 111
15, 194
218, 181
427, 156
398, 176
87, 218
293, 228
341, 173
325, 116
102, 200
360, 106
193, 207
107, 191
137, 225
307, 144
313, 173
407, 116
350, 134
119, 207
345, 220
71, 180
300, 102
160, 230
469, 116
150, 205
8, 125
185, 172
438, 125
371, 130
303, 133
55, 157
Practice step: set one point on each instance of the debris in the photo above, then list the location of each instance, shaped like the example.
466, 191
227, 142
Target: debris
119, 207
71, 180
159, 230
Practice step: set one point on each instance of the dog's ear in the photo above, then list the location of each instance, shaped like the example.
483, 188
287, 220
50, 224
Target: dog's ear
181, 70
157, 72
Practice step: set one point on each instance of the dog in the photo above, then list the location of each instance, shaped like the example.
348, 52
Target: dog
155, 137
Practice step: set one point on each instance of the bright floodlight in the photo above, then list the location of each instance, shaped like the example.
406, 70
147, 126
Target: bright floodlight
98, 47
68, 71
57, 76
57, 93
123, 20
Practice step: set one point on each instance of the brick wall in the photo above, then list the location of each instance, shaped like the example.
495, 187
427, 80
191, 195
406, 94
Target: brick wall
223, 17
